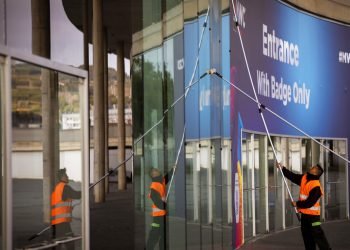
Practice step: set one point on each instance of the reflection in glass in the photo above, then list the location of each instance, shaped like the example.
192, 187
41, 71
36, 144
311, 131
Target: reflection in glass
293, 149
260, 173
206, 193
193, 195
226, 192
153, 147
275, 188
30, 212
247, 166
335, 181
19, 25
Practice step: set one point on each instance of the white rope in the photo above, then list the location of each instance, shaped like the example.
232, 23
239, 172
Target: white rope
282, 119
257, 100
175, 165
186, 92
187, 89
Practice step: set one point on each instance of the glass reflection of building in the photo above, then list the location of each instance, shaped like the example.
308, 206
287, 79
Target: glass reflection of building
34, 93
200, 205
166, 36
165, 47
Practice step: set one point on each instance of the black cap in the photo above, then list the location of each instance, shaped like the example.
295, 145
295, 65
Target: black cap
320, 169
62, 172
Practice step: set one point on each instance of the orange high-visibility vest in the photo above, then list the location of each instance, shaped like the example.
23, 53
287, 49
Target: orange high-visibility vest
305, 188
160, 188
61, 211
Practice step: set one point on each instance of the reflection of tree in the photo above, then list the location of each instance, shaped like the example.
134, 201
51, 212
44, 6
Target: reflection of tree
137, 96
153, 92
27, 95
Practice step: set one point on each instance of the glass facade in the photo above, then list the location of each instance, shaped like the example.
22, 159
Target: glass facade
38, 99
34, 179
266, 202
23, 24
200, 204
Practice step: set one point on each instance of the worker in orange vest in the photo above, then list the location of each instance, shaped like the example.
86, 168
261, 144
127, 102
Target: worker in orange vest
158, 196
308, 206
61, 207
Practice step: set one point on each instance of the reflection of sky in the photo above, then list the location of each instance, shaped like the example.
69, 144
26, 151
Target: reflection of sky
66, 39
18, 22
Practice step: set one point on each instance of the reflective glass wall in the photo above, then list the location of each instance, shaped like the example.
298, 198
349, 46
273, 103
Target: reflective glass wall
199, 204
335, 180
41, 100
24, 24
266, 202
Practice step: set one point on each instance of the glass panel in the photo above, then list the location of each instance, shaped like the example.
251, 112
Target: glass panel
247, 159
206, 194
70, 144
226, 193
152, 12
153, 112
66, 40
193, 195
335, 181
138, 168
294, 155
47, 136
1, 150
174, 126
19, 25
260, 170
173, 17
275, 187
217, 192
137, 117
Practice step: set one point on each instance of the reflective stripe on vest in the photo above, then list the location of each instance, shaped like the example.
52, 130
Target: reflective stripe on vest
305, 188
160, 189
61, 211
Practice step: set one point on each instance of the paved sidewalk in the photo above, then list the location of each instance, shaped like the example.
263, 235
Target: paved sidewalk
112, 222
337, 232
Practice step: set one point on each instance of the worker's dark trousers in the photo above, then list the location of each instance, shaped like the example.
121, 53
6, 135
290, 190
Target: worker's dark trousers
63, 230
312, 233
157, 233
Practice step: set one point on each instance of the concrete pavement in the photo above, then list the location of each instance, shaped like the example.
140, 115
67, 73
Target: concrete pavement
337, 232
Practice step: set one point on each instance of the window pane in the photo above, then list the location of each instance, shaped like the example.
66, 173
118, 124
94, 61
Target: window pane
293, 151
335, 181
206, 194
153, 147
193, 195
275, 188
247, 160
226, 193
260, 172
47, 136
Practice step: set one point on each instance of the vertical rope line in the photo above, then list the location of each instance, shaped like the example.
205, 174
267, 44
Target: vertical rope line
257, 100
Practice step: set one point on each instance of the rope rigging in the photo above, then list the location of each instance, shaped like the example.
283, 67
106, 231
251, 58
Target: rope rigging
261, 108
235, 20
187, 89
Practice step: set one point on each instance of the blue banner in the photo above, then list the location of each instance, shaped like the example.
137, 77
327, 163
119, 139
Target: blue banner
299, 66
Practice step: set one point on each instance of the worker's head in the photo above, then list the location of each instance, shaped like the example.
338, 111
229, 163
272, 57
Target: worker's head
316, 170
154, 172
62, 175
